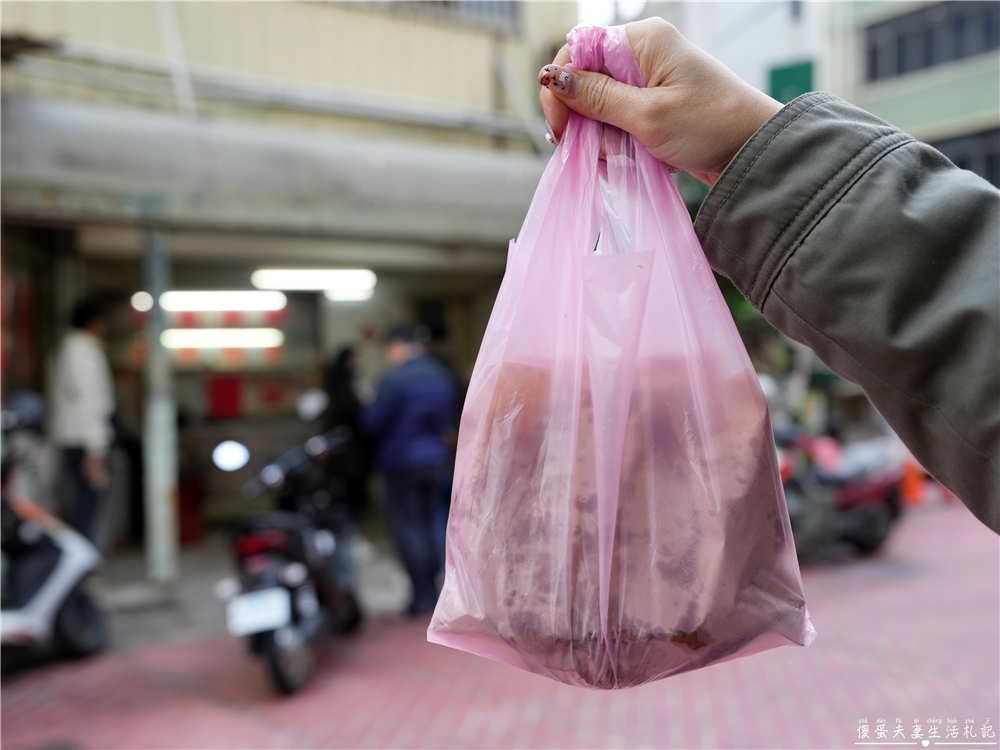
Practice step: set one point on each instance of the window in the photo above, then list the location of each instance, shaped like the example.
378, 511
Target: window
498, 15
977, 152
931, 36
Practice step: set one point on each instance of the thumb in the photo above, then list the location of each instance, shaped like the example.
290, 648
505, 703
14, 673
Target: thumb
594, 95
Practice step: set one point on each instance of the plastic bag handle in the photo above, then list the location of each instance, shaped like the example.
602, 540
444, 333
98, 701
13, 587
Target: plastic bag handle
593, 47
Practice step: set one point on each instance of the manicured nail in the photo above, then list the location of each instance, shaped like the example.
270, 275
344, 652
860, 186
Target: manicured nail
550, 136
559, 79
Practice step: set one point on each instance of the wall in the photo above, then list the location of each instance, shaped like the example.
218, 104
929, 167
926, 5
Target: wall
361, 48
749, 37
946, 100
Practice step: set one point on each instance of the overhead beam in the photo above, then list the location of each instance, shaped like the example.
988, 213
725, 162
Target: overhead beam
226, 247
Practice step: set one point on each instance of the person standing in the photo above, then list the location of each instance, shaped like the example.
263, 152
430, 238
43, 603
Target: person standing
83, 402
350, 467
413, 408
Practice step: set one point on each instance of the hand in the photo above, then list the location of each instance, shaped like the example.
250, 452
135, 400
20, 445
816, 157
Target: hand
95, 469
367, 394
694, 114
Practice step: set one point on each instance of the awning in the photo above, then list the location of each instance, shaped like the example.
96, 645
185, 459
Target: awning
65, 161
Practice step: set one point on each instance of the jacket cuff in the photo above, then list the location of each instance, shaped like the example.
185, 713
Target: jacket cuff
782, 182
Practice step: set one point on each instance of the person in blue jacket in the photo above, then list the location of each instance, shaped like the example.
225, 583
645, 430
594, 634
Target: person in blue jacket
413, 409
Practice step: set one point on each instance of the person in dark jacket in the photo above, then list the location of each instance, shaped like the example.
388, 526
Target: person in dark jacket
413, 409
846, 233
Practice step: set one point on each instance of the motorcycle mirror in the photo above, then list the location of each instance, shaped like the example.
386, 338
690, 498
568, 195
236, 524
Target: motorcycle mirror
311, 403
230, 455
272, 475
316, 446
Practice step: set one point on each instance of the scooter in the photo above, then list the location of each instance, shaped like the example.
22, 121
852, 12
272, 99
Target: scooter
839, 493
45, 605
294, 587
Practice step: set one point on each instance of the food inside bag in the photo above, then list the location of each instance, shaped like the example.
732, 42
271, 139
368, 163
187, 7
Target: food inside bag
617, 514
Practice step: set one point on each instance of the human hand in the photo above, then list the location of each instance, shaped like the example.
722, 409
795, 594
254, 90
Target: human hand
367, 394
95, 469
694, 114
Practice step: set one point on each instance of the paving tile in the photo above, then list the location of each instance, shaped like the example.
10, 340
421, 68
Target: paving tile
913, 633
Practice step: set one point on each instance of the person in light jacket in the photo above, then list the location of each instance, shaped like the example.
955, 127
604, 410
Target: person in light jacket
83, 401
847, 234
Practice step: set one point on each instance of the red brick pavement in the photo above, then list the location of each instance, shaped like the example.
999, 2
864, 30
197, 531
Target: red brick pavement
912, 634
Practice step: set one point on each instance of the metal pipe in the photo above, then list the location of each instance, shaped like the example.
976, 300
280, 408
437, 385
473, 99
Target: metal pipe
180, 73
159, 424
209, 81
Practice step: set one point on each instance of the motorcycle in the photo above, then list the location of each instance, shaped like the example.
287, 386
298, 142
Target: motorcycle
295, 585
839, 493
45, 563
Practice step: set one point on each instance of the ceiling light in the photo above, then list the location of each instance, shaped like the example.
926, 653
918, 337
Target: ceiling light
222, 338
142, 301
228, 301
230, 455
313, 279
345, 295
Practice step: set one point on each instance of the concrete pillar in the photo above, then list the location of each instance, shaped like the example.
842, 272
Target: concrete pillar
159, 424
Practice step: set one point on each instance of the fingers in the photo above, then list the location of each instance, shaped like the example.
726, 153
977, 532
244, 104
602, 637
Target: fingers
555, 110
592, 95
556, 113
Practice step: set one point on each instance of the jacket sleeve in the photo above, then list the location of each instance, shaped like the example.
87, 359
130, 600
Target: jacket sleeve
883, 257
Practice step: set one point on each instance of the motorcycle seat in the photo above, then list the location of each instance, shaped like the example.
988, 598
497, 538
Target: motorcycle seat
279, 519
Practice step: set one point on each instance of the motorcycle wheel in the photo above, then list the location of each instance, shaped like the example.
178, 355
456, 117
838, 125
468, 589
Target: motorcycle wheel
79, 626
289, 658
350, 620
255, 644
868, 538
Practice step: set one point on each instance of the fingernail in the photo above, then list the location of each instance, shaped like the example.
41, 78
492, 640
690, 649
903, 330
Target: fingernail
550, 136
559, 79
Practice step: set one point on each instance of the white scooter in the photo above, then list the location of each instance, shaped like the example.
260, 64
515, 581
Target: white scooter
44, 565
44, 606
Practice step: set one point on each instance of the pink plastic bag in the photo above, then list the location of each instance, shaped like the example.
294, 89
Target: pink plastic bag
617, 514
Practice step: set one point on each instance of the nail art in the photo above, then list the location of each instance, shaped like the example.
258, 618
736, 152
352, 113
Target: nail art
559, 79
550, 136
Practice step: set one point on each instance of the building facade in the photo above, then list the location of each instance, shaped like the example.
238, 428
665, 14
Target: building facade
929, 68
401, 137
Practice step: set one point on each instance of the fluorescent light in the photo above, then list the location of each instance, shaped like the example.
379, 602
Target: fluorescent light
314, 279
345, 295
224, 301
227, 301
142, 301
222, 338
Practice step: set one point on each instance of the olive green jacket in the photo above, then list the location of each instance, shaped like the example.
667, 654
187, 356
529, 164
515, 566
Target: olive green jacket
883, 257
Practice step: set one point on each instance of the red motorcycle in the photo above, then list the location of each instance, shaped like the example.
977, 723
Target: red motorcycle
840, 493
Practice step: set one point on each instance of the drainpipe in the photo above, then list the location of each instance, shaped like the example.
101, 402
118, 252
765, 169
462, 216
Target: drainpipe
180, 73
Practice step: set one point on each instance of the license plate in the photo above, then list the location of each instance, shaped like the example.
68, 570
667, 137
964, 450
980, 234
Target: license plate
267, 609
